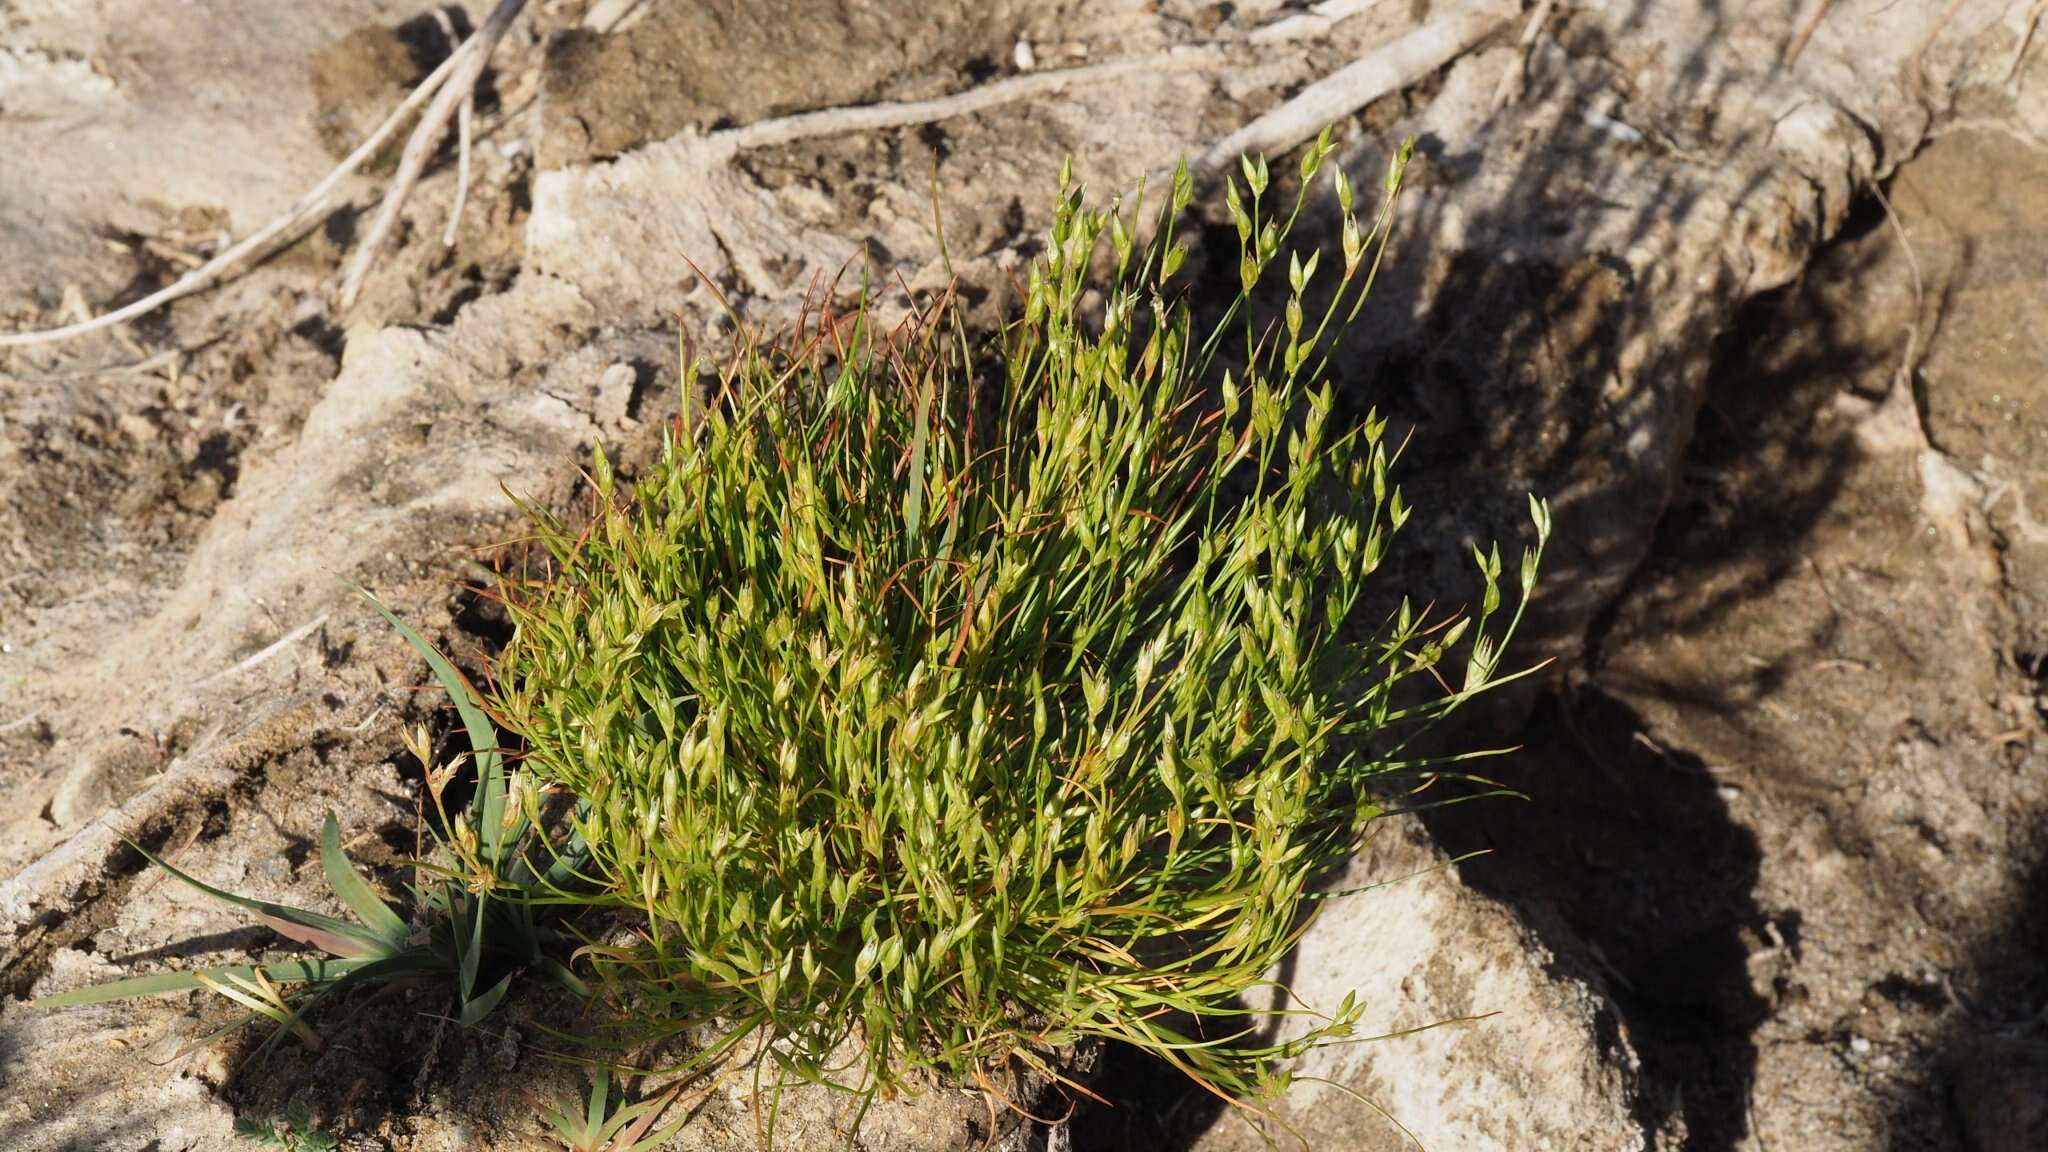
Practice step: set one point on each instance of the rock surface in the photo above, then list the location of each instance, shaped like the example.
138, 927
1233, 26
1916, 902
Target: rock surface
1520, 1057
1791, 802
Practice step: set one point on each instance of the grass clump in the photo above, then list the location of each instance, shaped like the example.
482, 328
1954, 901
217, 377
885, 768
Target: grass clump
932, 707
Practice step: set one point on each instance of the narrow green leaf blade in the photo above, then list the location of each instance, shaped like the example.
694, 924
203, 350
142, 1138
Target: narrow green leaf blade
287, 972
370, 942
474, 1011
153, 985
631, 1124
354, 891
913, 500
489, 804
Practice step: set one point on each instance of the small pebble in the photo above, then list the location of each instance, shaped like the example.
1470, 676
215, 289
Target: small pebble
1025, 58
1859, 1045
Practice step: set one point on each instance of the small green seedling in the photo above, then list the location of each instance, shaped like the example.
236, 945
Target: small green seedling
296, 1132
600, 1124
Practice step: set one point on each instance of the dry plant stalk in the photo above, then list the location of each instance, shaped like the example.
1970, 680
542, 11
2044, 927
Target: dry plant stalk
450, 85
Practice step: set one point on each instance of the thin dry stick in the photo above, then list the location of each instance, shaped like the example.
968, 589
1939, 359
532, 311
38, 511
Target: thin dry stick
307, 207
1912, 263
463, 119
67, 875
476, 53
1902, 382
1511, 81
1806, 31
280, 644
1392, 67
2019, 51
1933, 34
870, 117
1345, 91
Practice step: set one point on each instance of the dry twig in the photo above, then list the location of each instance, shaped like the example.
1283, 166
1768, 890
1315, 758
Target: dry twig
49, 889
1517, 75
464, 117
2019, 51
1312, 22
1805, 33
452, 87
1902, 381
463, 121
873, 117
457, 74
475, 52
1933, 34
1345, 91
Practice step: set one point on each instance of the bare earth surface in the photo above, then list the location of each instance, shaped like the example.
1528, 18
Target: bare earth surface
1767, 334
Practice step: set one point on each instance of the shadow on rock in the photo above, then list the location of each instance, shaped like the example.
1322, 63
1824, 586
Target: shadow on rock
1626, 859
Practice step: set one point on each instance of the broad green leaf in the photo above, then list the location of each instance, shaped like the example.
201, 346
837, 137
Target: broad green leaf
600, 1087
327, 941
569, 982
468, 957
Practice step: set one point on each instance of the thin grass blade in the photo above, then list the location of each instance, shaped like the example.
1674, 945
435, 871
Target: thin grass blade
489, 805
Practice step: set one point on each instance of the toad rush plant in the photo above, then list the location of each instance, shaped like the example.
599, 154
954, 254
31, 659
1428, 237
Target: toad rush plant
931, 708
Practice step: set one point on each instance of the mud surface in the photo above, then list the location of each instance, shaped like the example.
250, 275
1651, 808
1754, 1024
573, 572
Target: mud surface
1779, 882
